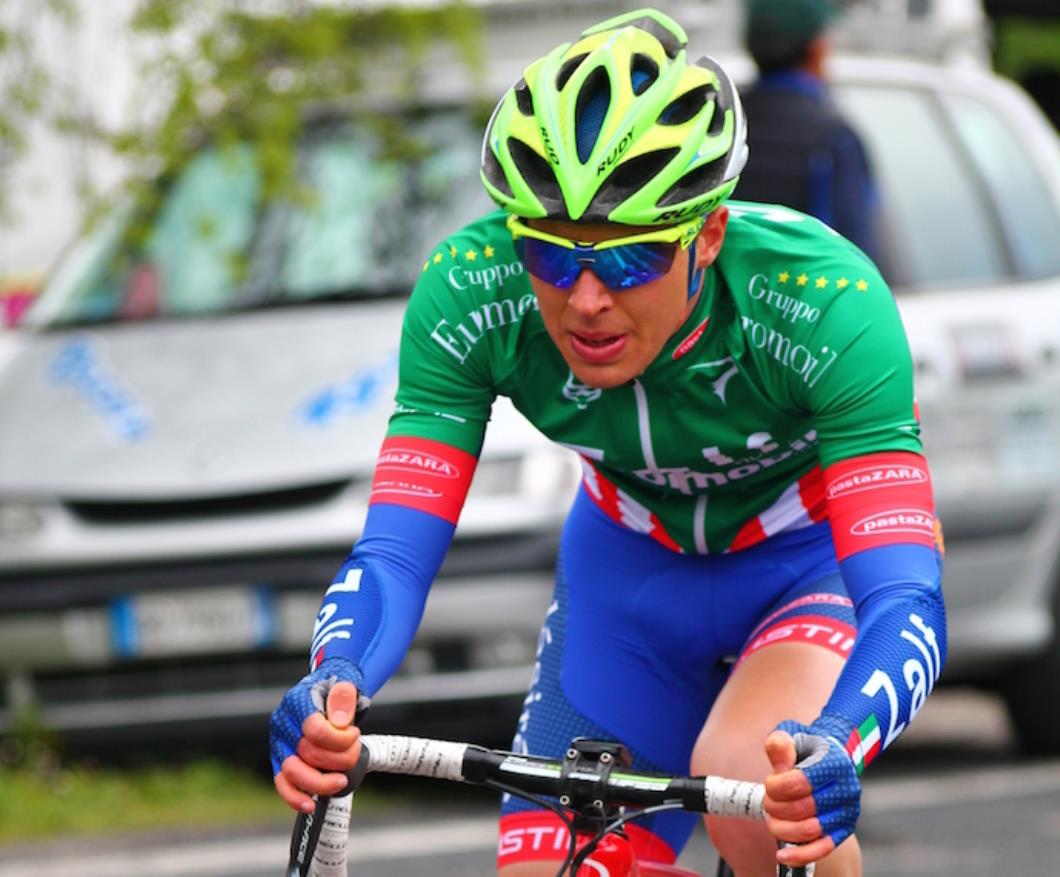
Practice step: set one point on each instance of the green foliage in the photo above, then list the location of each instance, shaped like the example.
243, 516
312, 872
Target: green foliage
80, 800
231, 71
1024, 44
252, 77
46, 795
25, 83
29, 745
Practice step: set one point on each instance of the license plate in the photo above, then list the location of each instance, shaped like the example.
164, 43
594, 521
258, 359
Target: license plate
188, 622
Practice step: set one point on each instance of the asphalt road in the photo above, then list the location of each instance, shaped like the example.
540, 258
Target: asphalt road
950, 798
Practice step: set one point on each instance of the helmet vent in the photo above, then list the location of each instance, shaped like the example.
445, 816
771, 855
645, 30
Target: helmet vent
593, 102
717, 121
539, 175
635, 173
695, 183
567, 70
668, 39
524, 100
643, 73
493, 172
686, 107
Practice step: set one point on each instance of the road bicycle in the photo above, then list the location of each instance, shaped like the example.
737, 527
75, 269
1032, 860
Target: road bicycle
596, 790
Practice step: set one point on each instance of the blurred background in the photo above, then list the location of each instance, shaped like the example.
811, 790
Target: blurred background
211, 214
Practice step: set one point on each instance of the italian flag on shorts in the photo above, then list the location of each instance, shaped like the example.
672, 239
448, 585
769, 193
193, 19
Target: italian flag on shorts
863, 744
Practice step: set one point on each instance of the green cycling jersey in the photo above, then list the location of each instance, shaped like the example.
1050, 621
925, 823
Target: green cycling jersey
792, 359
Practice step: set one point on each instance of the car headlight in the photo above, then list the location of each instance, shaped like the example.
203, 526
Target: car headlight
19, 520
497, 476
550, 473
543, 474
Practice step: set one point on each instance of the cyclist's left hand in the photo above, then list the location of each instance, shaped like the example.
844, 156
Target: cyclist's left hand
813, 795
313, 740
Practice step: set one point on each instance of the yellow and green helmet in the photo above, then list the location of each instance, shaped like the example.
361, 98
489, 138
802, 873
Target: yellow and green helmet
617, 127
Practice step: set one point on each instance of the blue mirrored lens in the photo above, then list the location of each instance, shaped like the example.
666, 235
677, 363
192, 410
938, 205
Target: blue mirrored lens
618, 268
551, 263
634, 264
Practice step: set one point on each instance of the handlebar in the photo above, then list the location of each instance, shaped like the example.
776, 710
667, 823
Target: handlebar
462, 762
597, 778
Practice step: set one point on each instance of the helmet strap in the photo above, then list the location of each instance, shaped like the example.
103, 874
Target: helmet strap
695, 277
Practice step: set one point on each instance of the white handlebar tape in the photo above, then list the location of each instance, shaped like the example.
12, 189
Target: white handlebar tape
329, 858
726, 797
416, 756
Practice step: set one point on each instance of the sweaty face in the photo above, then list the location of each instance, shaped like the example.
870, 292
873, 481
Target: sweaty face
607, 337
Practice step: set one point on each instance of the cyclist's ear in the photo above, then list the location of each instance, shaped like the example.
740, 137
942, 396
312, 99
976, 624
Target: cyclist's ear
342, 704
711, 237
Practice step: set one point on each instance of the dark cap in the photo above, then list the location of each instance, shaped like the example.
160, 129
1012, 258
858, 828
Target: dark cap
795, 19
777, 32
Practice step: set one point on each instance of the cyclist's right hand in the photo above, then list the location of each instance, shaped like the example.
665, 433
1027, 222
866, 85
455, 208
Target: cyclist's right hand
813, 796
312, 738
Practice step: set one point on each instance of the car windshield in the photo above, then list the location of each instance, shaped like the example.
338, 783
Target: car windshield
1024, 200
363, 217
964, 202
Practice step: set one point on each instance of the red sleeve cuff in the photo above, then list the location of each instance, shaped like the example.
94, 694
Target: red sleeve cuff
423, 474
881, 499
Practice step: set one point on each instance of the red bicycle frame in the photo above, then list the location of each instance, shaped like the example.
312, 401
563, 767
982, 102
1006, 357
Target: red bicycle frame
613, 857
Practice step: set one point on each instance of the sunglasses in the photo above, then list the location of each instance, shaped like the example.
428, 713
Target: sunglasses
619, 263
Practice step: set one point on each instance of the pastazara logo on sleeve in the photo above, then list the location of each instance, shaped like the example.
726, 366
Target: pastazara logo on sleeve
423, 474
874, 477
896, 521
417, 461
880, 499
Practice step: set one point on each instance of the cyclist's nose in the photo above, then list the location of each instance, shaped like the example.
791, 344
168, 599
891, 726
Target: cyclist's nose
588, 295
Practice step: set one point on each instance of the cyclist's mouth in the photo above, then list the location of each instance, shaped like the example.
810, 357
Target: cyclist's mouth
597, 346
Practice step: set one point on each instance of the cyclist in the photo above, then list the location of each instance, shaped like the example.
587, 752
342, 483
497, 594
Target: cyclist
750, 574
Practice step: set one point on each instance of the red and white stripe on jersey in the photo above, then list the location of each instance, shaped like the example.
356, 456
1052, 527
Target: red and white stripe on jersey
880, 499
423, 474
799, 506
621, 507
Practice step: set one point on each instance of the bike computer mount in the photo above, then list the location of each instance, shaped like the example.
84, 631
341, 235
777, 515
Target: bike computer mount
591, 759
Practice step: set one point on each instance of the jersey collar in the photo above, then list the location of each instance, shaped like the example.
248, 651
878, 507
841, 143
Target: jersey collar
695, 331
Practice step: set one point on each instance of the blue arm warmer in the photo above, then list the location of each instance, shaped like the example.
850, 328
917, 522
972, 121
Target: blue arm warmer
370, 613
900, 647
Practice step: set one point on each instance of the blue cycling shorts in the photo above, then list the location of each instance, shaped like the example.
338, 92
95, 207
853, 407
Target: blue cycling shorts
639, 641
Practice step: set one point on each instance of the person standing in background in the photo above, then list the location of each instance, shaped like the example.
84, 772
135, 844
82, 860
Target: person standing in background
803, 153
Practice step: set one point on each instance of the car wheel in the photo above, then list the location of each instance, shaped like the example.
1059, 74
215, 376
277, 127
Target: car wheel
1031, 690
